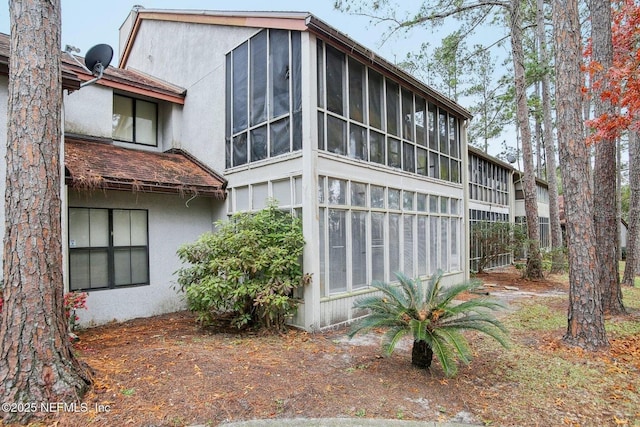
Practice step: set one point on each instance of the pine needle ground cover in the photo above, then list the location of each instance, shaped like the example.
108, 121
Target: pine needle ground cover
167, 371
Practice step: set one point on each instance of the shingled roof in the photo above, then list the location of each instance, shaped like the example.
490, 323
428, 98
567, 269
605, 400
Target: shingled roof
100, 165
128, 80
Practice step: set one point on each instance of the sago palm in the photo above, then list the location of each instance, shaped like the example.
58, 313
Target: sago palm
432, 316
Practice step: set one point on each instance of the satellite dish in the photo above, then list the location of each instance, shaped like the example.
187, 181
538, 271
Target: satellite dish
511, 158
98, 58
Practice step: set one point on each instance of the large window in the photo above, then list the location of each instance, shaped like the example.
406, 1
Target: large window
108, 248
369, 232
488, 181
477, 218
135, 120
366, 116
263, 97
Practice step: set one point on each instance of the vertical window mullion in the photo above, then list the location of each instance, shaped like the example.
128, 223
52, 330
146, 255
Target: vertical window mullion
269, 93
110, 252
134, 105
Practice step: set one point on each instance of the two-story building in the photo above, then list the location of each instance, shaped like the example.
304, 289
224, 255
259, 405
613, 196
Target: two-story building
212, 113
256, 106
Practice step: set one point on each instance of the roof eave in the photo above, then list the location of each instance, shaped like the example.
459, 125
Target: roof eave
293, 21
109, 183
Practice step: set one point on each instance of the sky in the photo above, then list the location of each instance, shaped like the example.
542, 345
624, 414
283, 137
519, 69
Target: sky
88, 23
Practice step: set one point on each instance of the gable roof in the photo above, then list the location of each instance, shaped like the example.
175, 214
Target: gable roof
299, 21
131, 81
73, 75
97, 164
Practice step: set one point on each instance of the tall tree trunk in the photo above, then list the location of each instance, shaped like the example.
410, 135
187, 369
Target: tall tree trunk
605, 169
539, 145
630, 268
534, 259
585, 316
557, 261
37, 365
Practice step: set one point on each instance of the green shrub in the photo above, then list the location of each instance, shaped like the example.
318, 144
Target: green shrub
559, 256
492, 239
432, 317
249, 267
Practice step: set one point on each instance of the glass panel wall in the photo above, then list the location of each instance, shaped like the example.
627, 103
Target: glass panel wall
264, 97
370, 232
367, 116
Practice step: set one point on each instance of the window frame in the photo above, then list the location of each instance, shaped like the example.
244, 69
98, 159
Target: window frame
397, 230
110, 249
392, 113
134, 108
278, 129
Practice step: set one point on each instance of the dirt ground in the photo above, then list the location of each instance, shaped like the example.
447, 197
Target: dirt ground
166, 371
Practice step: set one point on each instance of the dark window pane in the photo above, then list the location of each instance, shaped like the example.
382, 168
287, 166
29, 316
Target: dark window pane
444, 168
393, 108
453, 137
421, 157
442, 133
434, 165
227, 97
455, 171
336, 135
297, 130
358, 142
296, 70
356, 90
258, 85
280, 137
279, 63
358, 194
320, 70
240, 87
259, 143
375, 99
376, 147
393, 153
321, 142
227, 149
407, 115
433, 125
408, 157
421, 121
240, 149
335, 80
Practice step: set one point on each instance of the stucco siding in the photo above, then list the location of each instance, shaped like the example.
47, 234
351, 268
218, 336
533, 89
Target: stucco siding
193, 57
172, 221
89, 111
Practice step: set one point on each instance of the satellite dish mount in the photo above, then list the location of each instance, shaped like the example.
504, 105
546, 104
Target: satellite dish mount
96, 61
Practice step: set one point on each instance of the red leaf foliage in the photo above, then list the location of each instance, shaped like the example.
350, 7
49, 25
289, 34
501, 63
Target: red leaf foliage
621, 81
